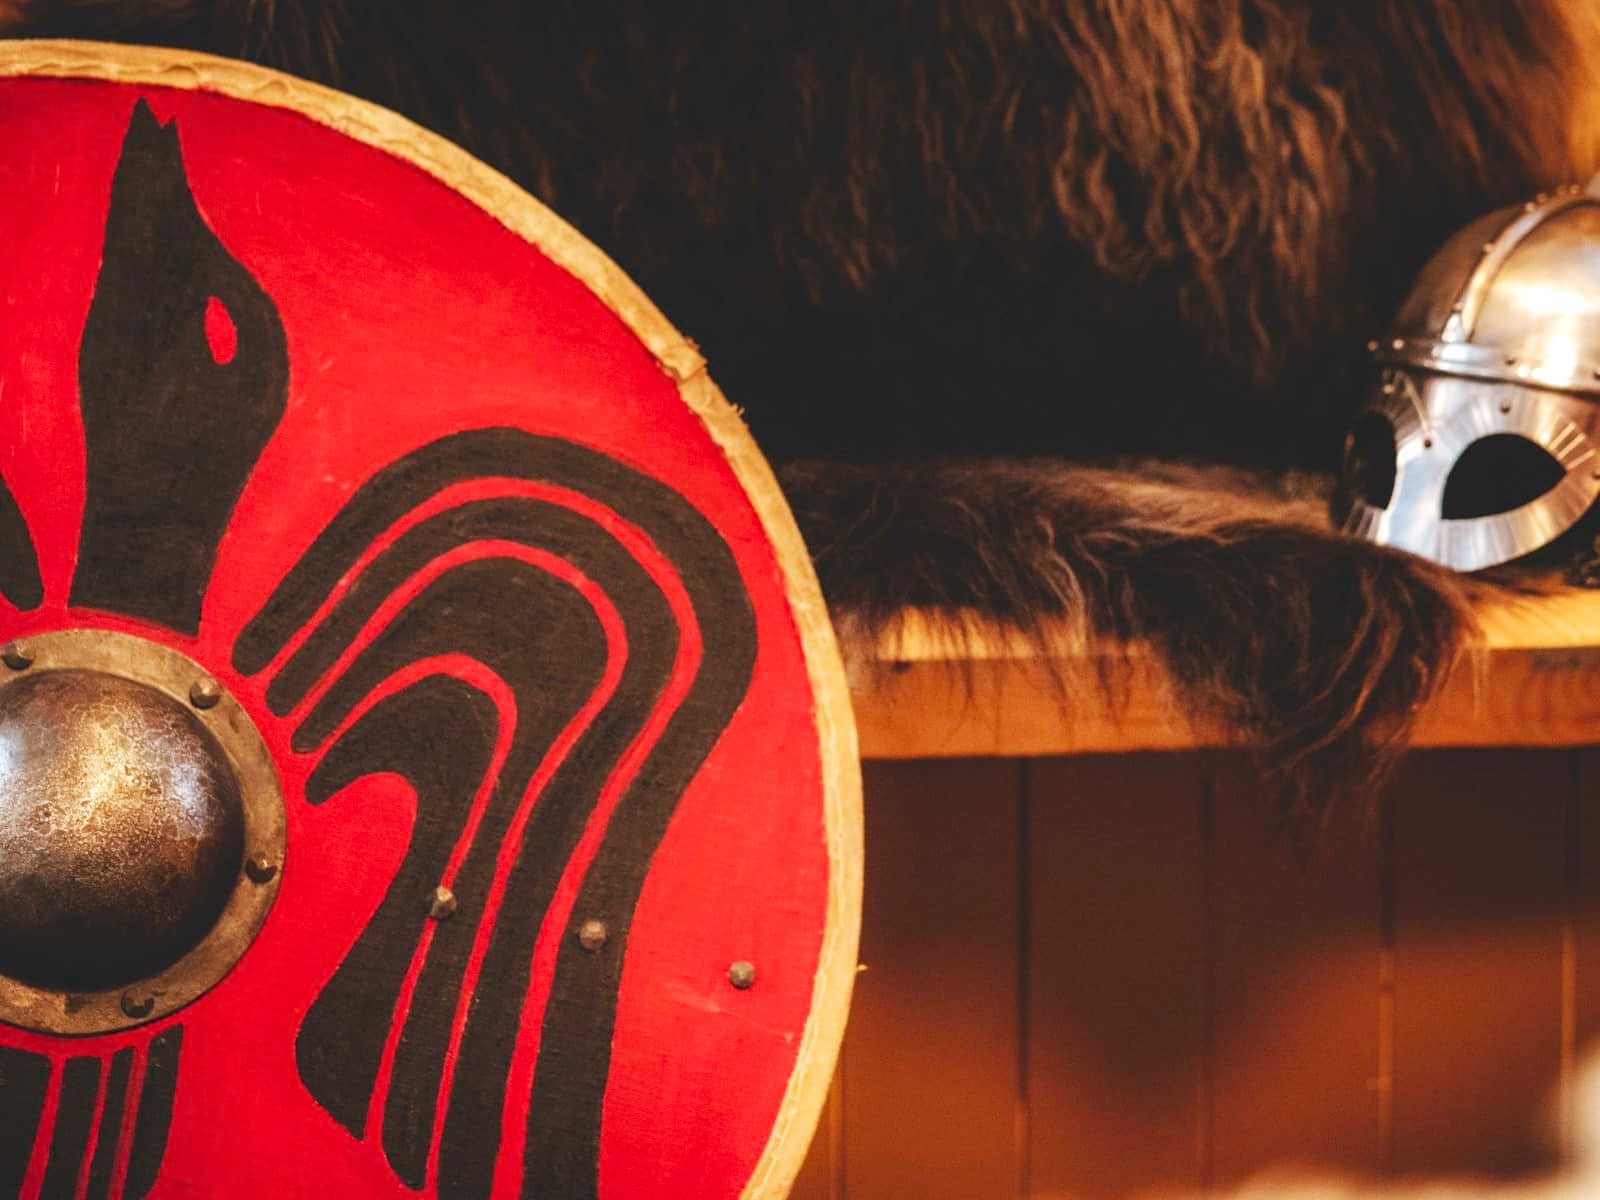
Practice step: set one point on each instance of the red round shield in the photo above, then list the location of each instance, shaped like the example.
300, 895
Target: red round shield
536, 757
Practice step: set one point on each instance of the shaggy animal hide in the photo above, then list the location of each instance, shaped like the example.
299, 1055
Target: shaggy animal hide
936, 249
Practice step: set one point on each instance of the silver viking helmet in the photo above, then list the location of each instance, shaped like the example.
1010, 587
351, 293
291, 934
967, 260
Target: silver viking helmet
1479, 442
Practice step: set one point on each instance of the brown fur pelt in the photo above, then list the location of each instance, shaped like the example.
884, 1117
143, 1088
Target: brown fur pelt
913, 231
1319, 646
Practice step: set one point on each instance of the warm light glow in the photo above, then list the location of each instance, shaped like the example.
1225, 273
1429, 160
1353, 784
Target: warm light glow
1546, 299
1562, 356
1579, 1181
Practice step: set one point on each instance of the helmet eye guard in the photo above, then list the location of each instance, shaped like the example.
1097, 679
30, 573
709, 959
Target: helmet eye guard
1479, 442
1466, 472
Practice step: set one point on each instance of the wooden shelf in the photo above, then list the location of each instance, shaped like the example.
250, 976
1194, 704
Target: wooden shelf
1531, 679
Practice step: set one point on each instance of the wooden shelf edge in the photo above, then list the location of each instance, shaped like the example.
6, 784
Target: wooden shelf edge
1531, 679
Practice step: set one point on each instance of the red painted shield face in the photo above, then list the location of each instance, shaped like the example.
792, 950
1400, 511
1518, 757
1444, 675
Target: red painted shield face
414, 774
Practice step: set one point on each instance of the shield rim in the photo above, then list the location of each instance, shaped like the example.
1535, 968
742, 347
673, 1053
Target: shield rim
520, 212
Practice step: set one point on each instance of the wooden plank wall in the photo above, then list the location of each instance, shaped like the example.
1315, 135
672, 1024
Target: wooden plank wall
1105, 975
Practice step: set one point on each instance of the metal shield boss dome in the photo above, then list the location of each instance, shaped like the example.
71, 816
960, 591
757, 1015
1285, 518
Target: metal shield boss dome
1478, 442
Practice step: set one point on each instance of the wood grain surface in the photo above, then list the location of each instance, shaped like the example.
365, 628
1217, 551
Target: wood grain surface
1530, 678
1106, 975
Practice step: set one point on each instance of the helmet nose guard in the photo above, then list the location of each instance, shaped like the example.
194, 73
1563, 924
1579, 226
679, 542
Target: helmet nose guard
1497, 344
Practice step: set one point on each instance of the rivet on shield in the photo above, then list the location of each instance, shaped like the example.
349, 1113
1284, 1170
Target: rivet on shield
204, 693
442, 903
260, 868
592, 935
742, 975
137, 1005
16, 656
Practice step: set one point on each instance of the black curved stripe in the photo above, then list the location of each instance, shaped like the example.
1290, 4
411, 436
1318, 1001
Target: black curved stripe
710, 574
557, 820
556, 824
510, 453
106, 1142
439, 734
150, 1128
171, 434
19, 561
552, 670
537, 524
651, 632
24, 1083
466, 610
563, 1140
553, 676
69, 1140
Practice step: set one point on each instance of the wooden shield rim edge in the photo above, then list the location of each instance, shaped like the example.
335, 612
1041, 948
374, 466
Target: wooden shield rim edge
517, 210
